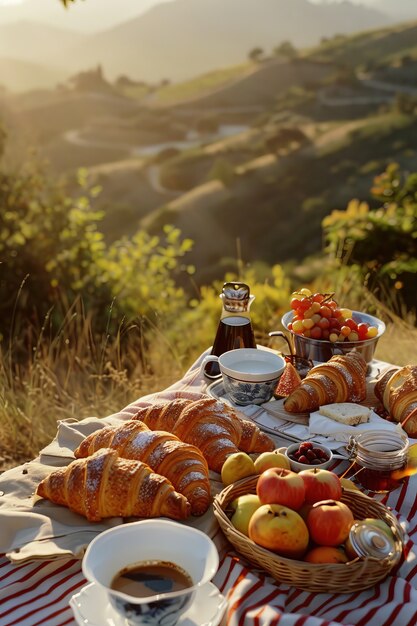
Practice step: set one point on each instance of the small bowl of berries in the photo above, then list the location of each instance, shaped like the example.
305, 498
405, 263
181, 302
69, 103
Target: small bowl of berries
308, 454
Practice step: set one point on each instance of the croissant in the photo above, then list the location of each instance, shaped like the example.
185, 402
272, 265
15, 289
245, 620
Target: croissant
210, 425
341, 379
182, 463
397, 390
105, 485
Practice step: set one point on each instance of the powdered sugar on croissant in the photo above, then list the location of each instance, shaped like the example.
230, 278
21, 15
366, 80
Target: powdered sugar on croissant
180, 462
209, 424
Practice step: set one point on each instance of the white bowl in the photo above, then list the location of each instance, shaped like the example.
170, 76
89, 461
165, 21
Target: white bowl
151, 540
296, 466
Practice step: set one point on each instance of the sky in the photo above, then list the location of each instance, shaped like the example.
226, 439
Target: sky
89, 15
83, 15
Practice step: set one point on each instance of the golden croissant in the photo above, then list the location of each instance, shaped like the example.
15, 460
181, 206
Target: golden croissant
210, 425
341, 379
182, 463
397, 390
106, 485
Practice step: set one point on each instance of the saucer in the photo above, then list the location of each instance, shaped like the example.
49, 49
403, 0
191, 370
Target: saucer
216, 390
91, 608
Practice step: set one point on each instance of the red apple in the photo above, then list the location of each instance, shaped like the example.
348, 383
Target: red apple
329, 522
320, 484
326, 554
279, 529
281, 486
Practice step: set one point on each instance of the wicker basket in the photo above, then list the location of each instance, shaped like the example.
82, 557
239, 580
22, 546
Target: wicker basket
356, 575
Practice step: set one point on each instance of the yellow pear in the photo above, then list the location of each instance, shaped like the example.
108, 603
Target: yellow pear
237, 465
267, 460
244, 506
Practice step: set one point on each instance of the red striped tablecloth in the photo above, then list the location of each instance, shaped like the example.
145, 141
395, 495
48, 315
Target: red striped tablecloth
37, 593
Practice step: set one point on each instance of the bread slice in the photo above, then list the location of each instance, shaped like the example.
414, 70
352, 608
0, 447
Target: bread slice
346, 413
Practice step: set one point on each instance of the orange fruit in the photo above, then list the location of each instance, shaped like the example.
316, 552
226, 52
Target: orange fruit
290, 380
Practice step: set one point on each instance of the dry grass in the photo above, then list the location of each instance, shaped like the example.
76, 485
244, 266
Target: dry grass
74, 375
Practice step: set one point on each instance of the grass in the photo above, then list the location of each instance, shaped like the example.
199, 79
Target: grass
380, 46
75, 374
202, 85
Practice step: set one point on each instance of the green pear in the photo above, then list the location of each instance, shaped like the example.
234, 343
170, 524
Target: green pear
244, 507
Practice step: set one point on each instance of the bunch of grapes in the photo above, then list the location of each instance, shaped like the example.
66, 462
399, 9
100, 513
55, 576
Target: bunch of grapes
317, 315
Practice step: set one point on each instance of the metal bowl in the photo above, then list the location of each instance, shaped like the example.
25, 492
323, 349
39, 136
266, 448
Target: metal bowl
322, 350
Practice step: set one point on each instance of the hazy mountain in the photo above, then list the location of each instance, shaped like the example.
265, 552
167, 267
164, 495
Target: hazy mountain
37, 43
180, 39
89, 16
19, 75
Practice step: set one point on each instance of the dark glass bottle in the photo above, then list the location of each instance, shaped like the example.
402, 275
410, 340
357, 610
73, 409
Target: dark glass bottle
235, 327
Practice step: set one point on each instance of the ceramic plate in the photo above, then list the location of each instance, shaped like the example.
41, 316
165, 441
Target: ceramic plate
90, 608
217, 390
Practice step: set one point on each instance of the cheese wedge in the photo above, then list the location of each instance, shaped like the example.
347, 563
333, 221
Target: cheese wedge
346, 413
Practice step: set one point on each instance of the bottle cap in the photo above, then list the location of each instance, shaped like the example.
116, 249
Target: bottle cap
236, 296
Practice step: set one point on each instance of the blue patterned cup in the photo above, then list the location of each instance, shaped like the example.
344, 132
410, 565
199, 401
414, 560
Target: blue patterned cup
249, 375
151, 541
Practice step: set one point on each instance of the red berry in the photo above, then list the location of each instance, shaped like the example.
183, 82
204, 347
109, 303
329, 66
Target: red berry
303, 459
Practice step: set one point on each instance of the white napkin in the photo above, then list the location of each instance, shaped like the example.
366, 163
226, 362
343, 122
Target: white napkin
33, 528
322, 425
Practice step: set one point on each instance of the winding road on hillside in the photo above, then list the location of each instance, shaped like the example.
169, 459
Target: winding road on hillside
76, 137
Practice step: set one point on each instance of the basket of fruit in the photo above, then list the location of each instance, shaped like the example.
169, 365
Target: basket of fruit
319, 328
307, 542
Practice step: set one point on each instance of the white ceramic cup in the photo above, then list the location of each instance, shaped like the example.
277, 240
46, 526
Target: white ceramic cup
249, 375
151, 540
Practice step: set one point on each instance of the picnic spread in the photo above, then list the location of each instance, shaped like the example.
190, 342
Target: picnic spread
165, 456
43, 542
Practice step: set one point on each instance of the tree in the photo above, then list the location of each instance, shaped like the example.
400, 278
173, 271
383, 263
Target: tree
224, 171
256, 54
53, 254
286, 49
380, 243
286, 137
406, 104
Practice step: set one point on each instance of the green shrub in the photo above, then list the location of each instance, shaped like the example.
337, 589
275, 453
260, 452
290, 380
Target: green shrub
380, 243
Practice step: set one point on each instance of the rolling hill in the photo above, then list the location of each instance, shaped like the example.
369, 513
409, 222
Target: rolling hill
184, 38
377, 46
274, 205
218, 187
